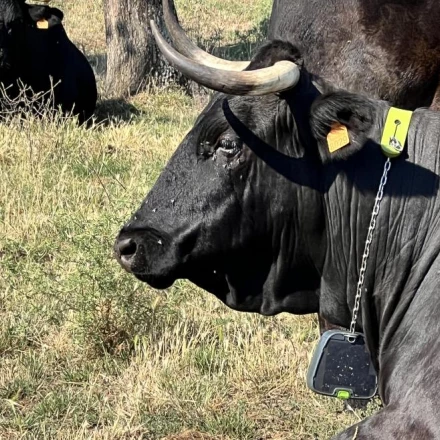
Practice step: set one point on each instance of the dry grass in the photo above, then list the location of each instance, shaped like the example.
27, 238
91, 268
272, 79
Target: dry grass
88, 352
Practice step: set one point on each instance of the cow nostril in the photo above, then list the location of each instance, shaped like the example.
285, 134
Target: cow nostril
127, 248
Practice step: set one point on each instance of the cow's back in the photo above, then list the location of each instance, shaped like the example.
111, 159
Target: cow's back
387, 51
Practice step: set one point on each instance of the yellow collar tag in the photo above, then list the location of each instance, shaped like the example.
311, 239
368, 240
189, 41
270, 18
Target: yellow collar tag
395, 131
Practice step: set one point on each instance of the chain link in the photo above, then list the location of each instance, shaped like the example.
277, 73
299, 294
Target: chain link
375, 213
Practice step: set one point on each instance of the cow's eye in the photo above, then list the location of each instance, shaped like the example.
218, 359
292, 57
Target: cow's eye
229, 147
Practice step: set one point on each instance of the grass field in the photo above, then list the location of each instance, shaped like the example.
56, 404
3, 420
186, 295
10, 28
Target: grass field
88, 352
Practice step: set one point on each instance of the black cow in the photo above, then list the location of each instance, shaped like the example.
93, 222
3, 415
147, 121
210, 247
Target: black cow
387, 50
41, 58
253, 208
384, 49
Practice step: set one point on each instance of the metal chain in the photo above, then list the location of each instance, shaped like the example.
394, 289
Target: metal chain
375, 213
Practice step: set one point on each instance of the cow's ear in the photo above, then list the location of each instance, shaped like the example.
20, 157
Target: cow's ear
273, 51
341, 123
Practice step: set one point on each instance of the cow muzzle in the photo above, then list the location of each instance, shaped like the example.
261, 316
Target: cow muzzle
148, 254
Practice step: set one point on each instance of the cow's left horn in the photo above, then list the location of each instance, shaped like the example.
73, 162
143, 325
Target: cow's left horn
281, 76
187, 48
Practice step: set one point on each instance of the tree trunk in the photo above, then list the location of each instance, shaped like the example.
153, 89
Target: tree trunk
133, 60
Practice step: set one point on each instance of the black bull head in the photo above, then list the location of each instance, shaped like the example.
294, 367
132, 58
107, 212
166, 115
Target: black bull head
238, 208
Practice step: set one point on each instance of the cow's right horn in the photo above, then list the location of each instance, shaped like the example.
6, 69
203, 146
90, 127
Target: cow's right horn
186, 47
281, 76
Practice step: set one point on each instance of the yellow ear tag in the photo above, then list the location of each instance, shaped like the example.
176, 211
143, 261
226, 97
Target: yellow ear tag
338, 137
43, 24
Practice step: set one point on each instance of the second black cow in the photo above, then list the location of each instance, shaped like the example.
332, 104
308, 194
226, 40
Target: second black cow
35, 51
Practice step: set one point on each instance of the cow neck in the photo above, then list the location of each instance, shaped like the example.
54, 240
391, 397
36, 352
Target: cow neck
403, 226
348, 203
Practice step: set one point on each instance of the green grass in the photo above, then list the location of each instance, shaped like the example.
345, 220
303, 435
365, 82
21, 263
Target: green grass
87, 351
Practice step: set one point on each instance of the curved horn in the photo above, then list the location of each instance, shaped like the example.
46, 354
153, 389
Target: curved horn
281, 76
187, 48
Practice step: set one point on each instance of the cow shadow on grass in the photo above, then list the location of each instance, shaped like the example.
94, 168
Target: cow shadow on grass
110, 110
115, 110
119, 110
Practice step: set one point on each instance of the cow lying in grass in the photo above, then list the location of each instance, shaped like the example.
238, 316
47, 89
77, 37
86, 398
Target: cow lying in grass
253, 208
36, 52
